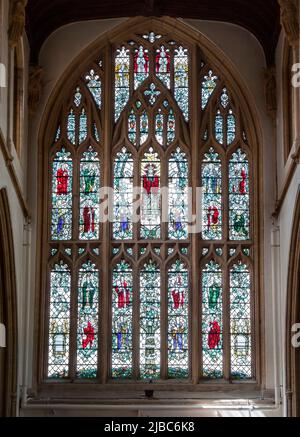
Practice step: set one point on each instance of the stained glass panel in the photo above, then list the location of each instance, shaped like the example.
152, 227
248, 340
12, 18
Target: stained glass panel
150, 321
94, 86
87, 326
219, 127
212, 321
59, 322
239, 198
162, 66
71, 127
62, 183
82, 126
89, 196
171, 127
208, 86
122, 321
150, 208
141, 66
159, 127
231, 127
178, 195
123, 196
132, 128
181, 80
178, 323
212, 196
144, 128
122, 67
240, 322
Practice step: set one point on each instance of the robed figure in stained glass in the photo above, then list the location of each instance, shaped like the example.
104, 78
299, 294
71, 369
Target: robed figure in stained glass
62, 178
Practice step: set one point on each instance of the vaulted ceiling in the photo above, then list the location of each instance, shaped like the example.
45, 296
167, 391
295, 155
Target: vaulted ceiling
261, 17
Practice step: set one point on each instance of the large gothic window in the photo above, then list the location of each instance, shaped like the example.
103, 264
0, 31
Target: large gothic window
150, 299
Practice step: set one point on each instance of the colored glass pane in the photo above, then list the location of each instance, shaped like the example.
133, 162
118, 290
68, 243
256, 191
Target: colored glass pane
178, 195
94, 86
240, 322
150, 208
141, 66
239, 198
87, 325
211, 196
71, 127
150, 321
59, 322
89, 196
62, 183
208, 86
219, 128
122, 321
178, 323
122, 67
212, 321
123, 196
181, 80
162, 66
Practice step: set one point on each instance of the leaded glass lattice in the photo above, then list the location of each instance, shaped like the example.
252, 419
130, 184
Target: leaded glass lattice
212, 196
59, 321
150, 308
62, 183
212, 320
123, 195
122, 294
239, 197
178, 321
240, 322
89, 223
178, 195
88, 315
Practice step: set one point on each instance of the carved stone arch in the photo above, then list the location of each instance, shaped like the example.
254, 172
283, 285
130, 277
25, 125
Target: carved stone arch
8, 312
292, 318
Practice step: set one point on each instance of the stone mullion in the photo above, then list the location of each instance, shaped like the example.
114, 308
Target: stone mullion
105, 357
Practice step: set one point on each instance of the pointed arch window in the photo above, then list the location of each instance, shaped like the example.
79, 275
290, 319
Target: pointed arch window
147, 300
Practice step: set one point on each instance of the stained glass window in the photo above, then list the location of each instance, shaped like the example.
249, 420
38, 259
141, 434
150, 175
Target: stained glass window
208, 86
123, 195
122, 67
59, 321
240, 322
212, 320
87, 328
161, 288
150, 301
150, 209
181, 80
239, 197
212, 196
122, 321
89, 195
178, 321
178, 195
62, 182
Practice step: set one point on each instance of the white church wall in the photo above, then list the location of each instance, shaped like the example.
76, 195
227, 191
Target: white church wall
19, 167
247, 55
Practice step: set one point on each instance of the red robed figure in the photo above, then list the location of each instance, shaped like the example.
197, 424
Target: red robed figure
90, 336
212, 219
89, 219
214, 335
123, 295
62, 178
243, 182
151, 183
